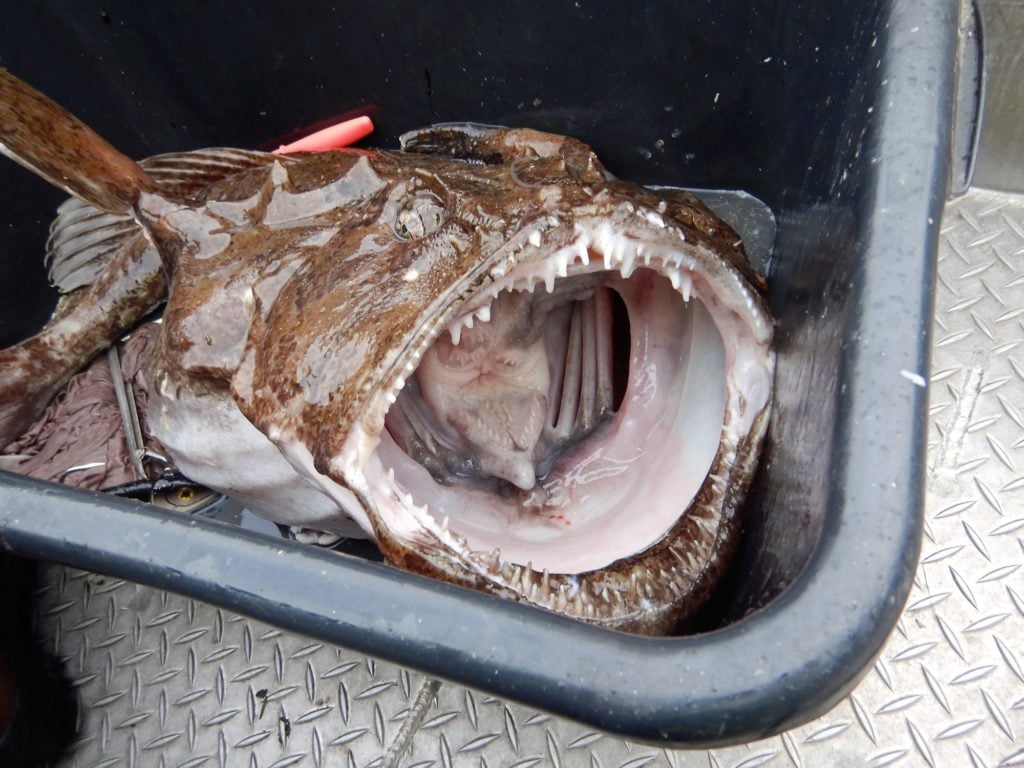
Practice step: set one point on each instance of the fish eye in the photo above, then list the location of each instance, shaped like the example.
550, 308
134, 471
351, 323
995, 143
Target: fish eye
421, 215
187, 498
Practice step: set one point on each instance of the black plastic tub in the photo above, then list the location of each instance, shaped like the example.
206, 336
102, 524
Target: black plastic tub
835, 114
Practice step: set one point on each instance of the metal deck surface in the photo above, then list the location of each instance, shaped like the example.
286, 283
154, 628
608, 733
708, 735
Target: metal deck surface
166, 681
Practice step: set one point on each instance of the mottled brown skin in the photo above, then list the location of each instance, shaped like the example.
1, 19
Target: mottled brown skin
288, 289
348, 296
349, 293
86, 324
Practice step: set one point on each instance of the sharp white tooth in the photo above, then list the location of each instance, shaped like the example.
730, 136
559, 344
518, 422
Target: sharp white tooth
484, 314
407, 499
654, 219
444, 523
626, 268
468, 321
409, 367
673, 275
399, 383
531, 285
529, 579
607, 256
545, 580
534, 238
456, 333
549, 281
563, 265
685, 286
391, 398
582, 252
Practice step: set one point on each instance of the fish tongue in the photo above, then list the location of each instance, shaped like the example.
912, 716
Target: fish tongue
491, 390
503, 425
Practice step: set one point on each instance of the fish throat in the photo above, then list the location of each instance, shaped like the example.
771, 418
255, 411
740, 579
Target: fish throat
570, 413
494, 404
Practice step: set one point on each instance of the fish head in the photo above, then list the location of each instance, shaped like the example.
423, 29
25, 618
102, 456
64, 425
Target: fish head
512, 370
524, 376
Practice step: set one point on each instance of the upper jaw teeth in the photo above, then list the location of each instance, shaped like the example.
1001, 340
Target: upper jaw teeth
481, 314
618, 253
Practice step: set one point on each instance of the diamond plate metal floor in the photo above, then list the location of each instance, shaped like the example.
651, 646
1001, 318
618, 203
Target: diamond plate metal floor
165, 681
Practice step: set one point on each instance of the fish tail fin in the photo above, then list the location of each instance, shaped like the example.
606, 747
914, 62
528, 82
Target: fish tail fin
51, 142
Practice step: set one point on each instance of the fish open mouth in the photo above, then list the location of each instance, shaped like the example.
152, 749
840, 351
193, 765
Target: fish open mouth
519, 442
571, 414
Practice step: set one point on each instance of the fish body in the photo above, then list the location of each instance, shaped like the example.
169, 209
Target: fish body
511, 370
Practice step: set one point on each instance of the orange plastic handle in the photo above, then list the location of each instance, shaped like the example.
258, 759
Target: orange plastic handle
333, 137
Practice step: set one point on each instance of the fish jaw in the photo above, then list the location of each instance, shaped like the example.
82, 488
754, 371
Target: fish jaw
671, 538
346, 270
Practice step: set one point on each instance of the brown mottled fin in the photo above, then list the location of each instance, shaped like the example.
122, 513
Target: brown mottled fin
97, 245
48, 140
83, 239
185, 175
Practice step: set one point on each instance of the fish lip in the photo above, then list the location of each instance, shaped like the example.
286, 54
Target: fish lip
549, 236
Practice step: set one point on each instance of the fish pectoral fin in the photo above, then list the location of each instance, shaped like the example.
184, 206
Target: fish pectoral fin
495, 145
83, 238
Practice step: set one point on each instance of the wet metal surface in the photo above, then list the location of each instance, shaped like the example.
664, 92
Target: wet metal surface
166, 681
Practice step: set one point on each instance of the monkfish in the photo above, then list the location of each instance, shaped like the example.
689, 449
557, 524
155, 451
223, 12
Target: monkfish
511, 370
